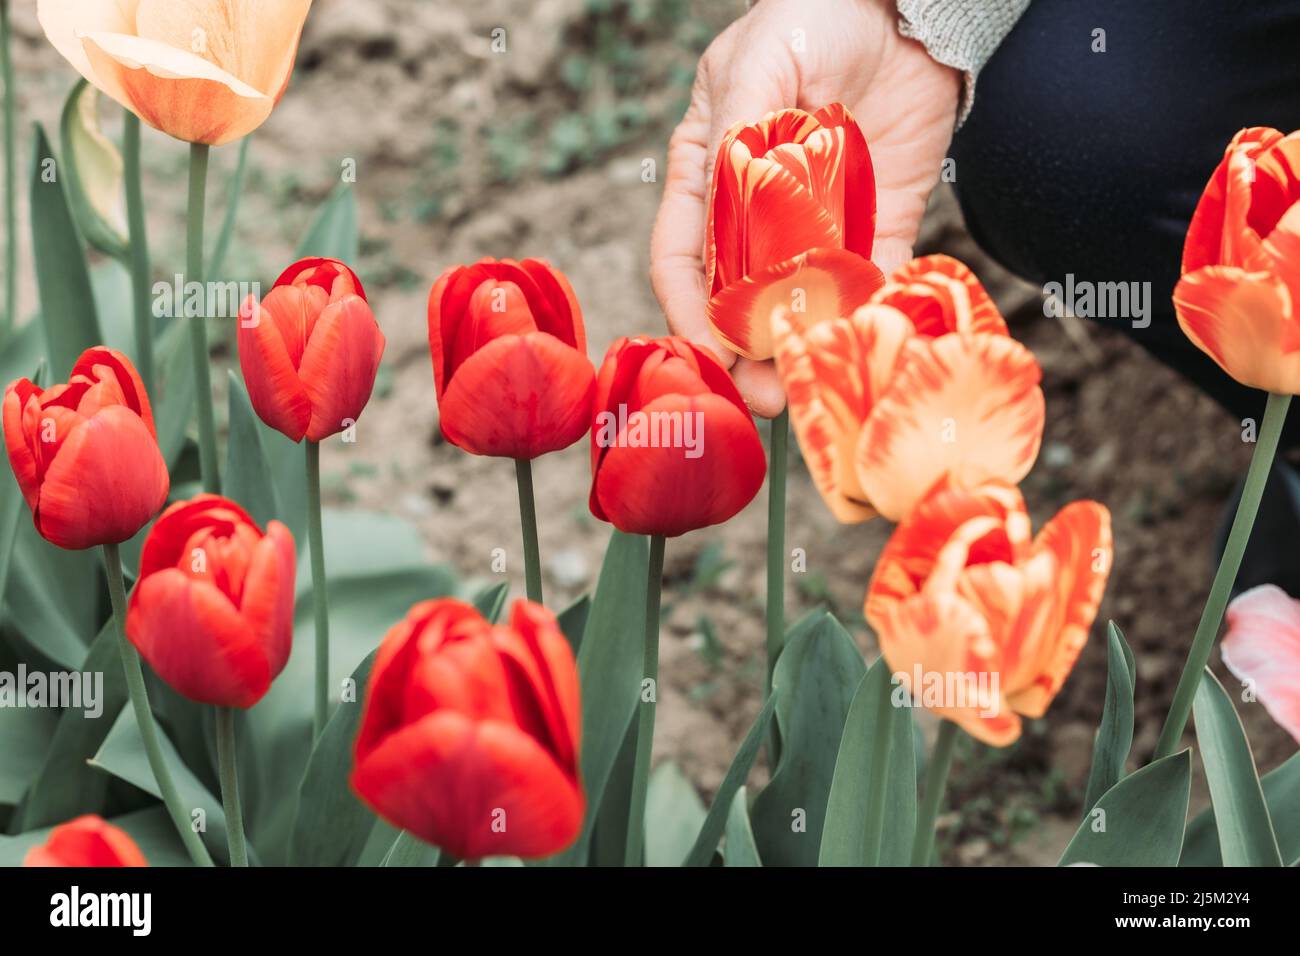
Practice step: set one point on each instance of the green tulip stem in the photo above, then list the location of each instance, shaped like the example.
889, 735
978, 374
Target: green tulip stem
776, 473
9, 319
1261, 463
143, 717
936, 780
319, 588
645, 721
528, 518
140, 290
199, 324
228, 771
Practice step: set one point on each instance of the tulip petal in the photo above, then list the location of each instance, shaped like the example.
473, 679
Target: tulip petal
949, 641
125, 378
107, 481
266, 604
276, 392
474, 789
1244, 321
339, 366
174, 90
535, 649
833, 372
1262, 649
961, 409
65, 21
859, 180
1219, 233
940, 294
254, 41
1043, 654
519, 396
24, 461
824, 283
197, 641
643, 489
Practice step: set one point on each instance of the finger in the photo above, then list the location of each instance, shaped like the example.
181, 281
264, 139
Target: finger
760, 387
677, 242
888, 254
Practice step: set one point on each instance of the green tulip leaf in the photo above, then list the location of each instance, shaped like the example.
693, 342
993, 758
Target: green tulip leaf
817, 675
1115, 736
1246, 835
334, 232
66, 784
715, 823
674, 815
1140, 820
491, 600
874, 787
739, 848
609, 664
332, 826
1281, 788
68, 313
122, 755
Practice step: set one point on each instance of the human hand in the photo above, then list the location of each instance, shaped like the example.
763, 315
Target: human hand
849, 51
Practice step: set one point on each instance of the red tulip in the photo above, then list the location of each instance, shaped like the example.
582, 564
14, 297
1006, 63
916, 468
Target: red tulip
310, 350
470, 734
673, 446
86, 841
510, 359
212, 611
792, 213
85, 453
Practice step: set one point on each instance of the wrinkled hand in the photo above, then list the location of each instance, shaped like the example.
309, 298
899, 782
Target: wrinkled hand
849, 51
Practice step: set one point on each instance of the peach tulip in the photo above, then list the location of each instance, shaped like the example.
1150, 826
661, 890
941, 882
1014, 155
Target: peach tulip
203, 71
964, 599
1239, 297
920, 386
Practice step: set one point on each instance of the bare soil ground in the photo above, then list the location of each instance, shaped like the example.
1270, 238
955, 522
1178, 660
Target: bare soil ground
463, 152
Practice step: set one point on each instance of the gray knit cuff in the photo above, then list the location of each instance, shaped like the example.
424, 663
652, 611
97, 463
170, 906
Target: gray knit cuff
960, 33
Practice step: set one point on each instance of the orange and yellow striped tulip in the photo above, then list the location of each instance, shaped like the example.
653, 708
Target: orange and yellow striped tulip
922, 385
964, 597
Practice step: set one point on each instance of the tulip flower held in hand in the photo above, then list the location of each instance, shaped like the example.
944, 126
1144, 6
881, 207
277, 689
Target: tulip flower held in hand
310, 352
1237, 301
511, 371
791, 223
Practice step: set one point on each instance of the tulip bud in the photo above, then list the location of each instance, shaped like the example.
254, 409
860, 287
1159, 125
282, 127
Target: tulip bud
980, 621
1239, 297
470, 734
673, 445
212, 610
86, 841
509, 358
85, 453
201, 72
310, 350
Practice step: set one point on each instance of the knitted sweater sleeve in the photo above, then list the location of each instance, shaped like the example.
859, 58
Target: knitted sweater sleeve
960, 33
